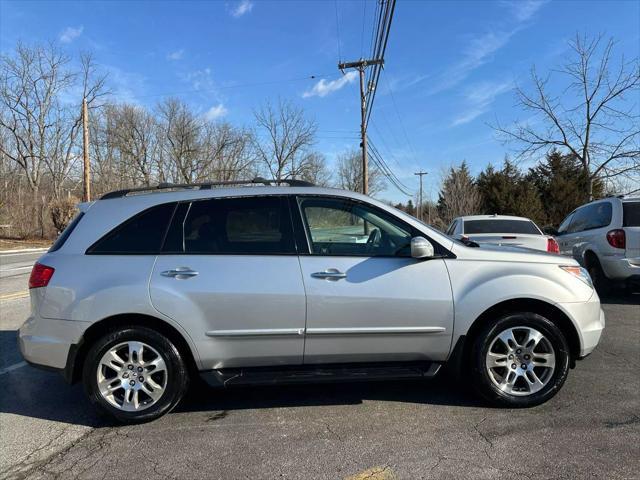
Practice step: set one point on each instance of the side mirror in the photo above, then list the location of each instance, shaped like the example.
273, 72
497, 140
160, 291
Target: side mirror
421, 248
550, 231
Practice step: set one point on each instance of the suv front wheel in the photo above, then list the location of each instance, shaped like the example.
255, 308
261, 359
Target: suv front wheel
135, 374
520, 360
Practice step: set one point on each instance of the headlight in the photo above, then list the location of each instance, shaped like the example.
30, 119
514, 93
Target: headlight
578, 272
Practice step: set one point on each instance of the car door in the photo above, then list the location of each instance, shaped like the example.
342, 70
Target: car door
577, 232
229, 273
367, 299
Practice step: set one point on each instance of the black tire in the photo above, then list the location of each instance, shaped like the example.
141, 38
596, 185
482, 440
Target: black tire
177, 380
600, 281
481, 379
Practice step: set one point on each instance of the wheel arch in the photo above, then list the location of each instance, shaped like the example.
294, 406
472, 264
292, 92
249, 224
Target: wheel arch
548, 310
73, 370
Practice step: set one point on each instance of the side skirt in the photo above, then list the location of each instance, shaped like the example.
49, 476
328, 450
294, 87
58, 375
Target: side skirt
319, 373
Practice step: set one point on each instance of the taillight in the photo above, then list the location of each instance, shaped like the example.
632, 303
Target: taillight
552, 246
40, 275
616, 238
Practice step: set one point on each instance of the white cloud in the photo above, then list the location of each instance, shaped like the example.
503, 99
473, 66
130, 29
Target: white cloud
481, 49
242, 7
69, 34
215, 112
176, 55
523, 10
324, 87
479, 99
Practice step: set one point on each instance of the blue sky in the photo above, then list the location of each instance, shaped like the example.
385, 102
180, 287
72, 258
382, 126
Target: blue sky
450, 66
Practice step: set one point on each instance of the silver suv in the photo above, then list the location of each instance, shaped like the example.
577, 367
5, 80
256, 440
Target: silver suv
604, 237
260, 283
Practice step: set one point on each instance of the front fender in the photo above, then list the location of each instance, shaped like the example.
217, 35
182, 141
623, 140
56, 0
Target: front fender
478, 286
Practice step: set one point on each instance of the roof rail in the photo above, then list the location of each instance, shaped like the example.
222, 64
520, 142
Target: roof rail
205, 186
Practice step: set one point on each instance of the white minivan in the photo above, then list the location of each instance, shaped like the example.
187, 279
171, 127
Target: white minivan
604, 237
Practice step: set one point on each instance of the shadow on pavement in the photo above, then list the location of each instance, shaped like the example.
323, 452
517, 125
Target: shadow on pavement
620, 296
438, 391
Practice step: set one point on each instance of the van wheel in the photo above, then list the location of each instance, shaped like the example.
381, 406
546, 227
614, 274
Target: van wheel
135, 374
600, 281
521, 360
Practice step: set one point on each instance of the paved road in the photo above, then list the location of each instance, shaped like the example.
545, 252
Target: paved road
379, 430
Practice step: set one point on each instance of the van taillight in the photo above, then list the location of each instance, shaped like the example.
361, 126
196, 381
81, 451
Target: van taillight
616, 238
40, 275
552, 246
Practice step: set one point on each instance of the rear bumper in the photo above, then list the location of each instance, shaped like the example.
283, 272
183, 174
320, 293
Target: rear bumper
620, 268
589, 320
47, 343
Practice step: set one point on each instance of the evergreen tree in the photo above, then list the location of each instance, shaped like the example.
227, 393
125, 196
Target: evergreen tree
508, 192
562, 185
458, 195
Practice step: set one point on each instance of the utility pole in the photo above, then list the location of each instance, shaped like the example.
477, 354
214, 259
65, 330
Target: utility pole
86, 192
420, 174
361, 65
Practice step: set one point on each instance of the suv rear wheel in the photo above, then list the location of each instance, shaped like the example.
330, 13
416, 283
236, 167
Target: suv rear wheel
135, 374
521, 360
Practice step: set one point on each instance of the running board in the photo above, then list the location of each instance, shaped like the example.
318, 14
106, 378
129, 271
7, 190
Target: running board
318, 373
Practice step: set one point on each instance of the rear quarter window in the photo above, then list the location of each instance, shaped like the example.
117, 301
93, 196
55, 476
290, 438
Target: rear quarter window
142, 234
62, 238
631, 214
500, 226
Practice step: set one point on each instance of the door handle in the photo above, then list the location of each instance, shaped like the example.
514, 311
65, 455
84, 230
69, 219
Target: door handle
330, 274
181, 273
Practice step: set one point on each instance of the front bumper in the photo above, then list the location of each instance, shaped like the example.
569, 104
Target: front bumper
47, 342
589, 320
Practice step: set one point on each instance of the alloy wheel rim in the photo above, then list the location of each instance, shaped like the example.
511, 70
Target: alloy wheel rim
520, 361
132, 376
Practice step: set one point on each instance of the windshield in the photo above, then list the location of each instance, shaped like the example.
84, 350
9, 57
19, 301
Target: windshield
500, 226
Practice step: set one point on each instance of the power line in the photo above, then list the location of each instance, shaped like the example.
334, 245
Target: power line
364, 18
387, 168
335, 3
368, 85
387, 172
395, 107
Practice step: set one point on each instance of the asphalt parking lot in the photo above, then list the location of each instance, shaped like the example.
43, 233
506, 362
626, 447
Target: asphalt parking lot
382, 430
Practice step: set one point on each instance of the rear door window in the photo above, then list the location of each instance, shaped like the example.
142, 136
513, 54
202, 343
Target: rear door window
233, 226
140, 235
631, 214
500, 226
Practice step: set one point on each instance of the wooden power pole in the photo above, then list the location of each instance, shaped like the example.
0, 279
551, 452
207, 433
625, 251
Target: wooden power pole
361, 65
86, 192
419, 212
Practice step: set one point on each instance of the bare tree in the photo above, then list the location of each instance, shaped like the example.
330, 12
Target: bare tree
315, 170
227, 151
134, 134
595, 118
349, 173
31, 82
282, 139
181, 130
